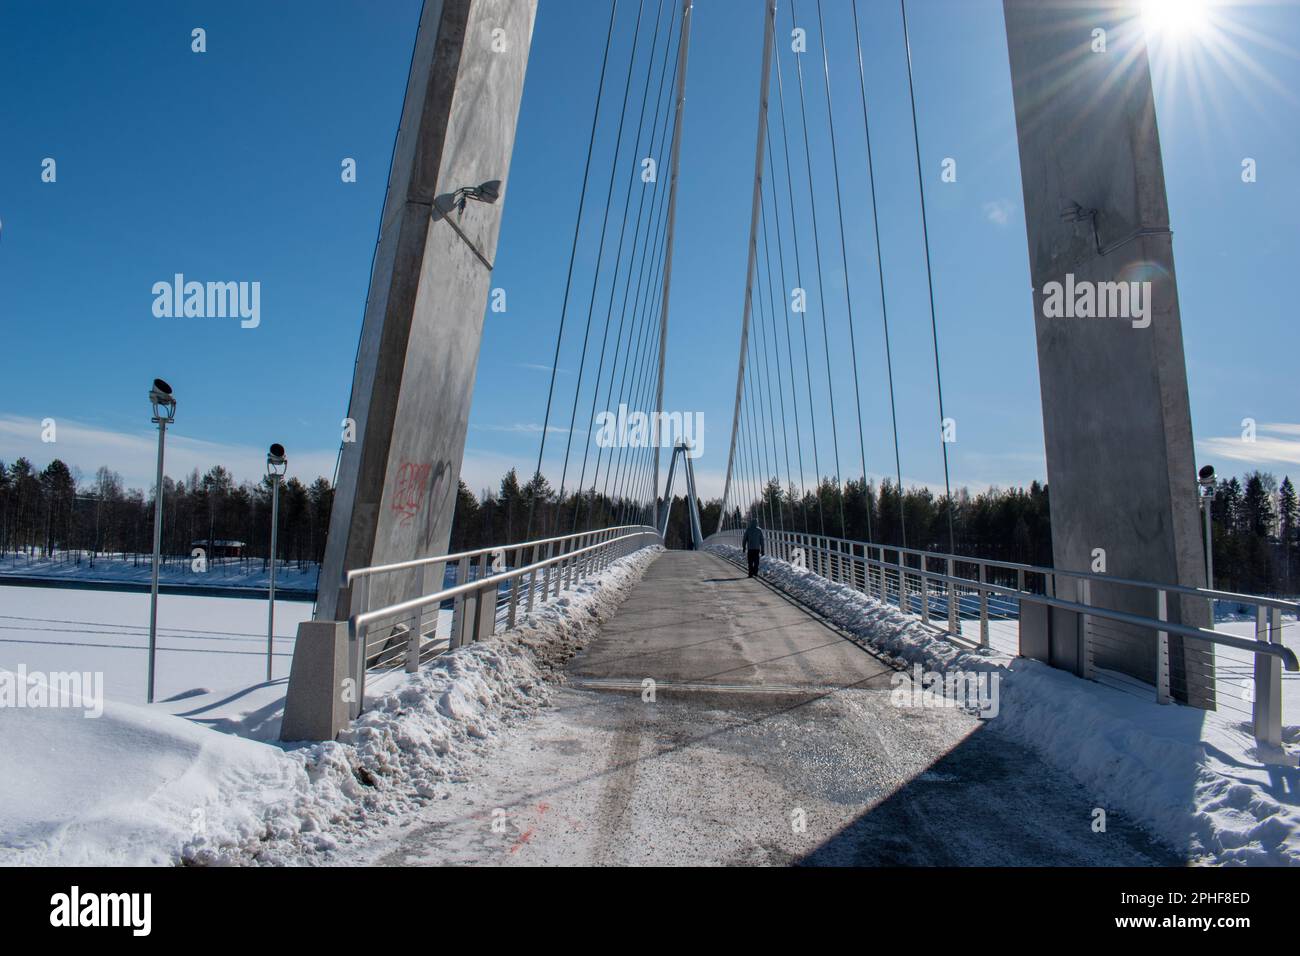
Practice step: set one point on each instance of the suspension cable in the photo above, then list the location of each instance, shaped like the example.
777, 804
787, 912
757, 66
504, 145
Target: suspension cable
929, 276
844, 256
880, 269
573, 255
618, 259
798, 278
767, 360
789, 348
600, 251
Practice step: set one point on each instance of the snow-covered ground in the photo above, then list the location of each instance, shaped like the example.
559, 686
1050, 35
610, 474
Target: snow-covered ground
128, 569
205, 644
1196, 779
1234, 669
154, 785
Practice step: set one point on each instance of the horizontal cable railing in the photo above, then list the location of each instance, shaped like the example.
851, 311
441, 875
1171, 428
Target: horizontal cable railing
406, 633
991, 595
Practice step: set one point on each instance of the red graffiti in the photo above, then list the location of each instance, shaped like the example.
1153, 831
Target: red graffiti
412, 487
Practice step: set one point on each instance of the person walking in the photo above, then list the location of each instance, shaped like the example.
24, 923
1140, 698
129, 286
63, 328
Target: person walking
753, 545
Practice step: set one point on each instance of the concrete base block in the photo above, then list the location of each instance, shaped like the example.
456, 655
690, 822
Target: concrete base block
1051, 635
321, 698
1035, 631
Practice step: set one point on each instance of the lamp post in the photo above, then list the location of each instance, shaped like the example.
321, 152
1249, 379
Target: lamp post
276, 465
1205, 478
164, 413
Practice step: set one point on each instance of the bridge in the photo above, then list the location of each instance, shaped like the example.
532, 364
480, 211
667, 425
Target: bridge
816, 643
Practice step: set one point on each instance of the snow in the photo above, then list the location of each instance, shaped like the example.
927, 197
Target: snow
142, 785
205, 644
125, 788
125, 569
1196, 779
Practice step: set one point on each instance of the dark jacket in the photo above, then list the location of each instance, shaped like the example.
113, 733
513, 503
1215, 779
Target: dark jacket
753, 538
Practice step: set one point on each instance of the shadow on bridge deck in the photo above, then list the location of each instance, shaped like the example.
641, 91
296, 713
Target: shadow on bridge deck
697, 623
771, 739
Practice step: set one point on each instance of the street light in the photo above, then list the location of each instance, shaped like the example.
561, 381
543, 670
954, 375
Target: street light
276, 465
1205, 478
164, 413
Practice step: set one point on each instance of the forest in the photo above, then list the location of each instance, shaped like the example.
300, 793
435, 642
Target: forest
51, 512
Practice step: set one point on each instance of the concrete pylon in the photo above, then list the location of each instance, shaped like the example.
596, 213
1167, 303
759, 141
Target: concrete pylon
1120, 459
414, 378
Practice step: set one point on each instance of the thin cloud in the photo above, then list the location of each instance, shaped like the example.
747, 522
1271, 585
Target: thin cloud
998, 211
527, 428
533, 366
1270, 447
134, 454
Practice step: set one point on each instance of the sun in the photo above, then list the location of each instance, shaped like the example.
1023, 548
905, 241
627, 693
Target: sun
1175, 18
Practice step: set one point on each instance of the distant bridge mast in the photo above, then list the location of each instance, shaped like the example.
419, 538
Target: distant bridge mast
684, 49
764, 82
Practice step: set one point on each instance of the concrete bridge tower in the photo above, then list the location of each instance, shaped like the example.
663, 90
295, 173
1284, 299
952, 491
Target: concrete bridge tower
1117, 422
414, 378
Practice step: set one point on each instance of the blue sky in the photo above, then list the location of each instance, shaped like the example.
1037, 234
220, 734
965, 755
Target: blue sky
225, 166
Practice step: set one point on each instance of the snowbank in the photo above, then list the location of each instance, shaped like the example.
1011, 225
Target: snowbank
138, 786
1195, 779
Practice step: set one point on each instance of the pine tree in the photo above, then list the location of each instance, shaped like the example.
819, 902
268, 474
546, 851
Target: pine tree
1288, 515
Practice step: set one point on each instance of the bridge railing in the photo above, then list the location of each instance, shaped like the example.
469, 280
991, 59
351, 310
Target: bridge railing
961, 589
483, 594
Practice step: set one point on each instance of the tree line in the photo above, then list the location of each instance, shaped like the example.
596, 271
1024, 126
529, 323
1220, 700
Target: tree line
1255, 526
50, 512
1255, 519
1012, 524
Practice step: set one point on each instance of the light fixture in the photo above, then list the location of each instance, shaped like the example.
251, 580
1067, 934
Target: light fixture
1071, 211
276, 465
1205, 478
163, 403
488, 192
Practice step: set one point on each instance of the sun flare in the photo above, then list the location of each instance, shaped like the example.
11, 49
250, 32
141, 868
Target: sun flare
1175, 18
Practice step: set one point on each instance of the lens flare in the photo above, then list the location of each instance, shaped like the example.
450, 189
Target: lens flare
1175, 18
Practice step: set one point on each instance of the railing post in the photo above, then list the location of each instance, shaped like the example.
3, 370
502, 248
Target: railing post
984, 607
485, 622
925, 591
363, 600
457, 636
483, 567
954, 618
902, 582
1087, 671
1268, 679
1162, 649
546, 573
362, 634
413, 646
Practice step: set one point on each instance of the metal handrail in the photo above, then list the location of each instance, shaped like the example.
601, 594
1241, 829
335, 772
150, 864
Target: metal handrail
571, 566
1255, 599
1281, 651
448, 558
1267, 703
